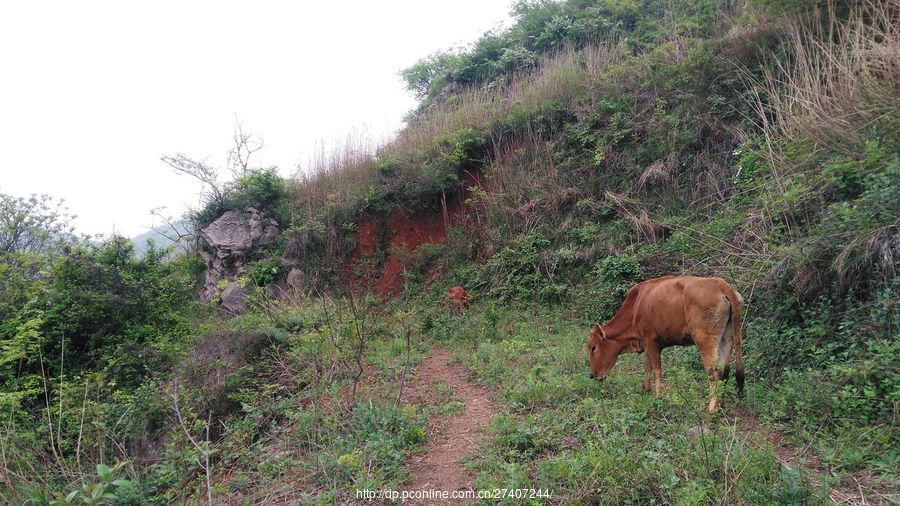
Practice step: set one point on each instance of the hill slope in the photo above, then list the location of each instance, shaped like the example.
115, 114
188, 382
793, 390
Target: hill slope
548, 168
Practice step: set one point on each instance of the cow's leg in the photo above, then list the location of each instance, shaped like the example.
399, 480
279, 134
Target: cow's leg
725, 359
647, 372
708, 327
653, 358
710, 358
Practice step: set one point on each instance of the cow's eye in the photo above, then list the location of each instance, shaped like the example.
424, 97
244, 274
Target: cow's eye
593, 349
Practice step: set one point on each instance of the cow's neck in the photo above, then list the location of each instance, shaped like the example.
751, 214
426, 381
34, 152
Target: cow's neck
621, 326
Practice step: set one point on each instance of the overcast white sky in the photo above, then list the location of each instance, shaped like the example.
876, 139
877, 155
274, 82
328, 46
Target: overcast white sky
92, 93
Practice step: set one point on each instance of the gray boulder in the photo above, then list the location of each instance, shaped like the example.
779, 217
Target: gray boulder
228, 243
234, 298
296, 280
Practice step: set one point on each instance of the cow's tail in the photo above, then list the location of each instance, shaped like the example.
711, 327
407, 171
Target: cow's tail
737, 306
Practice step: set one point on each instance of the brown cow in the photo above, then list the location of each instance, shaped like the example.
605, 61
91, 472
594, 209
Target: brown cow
674, 311
459, 298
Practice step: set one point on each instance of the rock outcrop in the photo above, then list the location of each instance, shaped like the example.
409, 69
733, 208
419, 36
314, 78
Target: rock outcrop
234, 298
227, 245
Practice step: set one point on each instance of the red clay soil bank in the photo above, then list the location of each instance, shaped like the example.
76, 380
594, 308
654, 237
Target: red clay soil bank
407, 231
356, 272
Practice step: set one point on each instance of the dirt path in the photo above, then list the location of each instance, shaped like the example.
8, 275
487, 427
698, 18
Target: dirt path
451, 438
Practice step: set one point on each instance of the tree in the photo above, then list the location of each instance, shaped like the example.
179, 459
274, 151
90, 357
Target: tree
35, 224
426, 77
215, 195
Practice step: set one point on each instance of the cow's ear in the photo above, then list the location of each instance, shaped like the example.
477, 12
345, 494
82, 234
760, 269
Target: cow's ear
600, 334
633, 346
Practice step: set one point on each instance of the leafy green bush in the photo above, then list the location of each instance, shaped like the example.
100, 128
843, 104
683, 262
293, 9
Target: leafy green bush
428, 76
461, 148
609, 282
102, 298
108, 490
528, 269
855, 236
262, 189
543, 26
265, 272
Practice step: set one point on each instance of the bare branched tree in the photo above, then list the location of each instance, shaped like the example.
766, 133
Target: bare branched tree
403, 317
213, 192
172, 229
359, 347
245, 144
199, 170
203, 450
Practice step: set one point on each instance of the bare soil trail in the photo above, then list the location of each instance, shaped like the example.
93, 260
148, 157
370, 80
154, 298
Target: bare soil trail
450, 438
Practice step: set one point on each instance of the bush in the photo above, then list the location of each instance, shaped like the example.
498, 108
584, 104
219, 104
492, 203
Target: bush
265, 272
428, 76
608, 284
262, 189
528, 269
855, 239
543, 26
102, 298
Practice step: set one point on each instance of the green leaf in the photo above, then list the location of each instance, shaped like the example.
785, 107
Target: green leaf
104, 471
121, 482
71, 496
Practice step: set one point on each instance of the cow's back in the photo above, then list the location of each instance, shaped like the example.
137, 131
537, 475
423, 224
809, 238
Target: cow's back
666, 306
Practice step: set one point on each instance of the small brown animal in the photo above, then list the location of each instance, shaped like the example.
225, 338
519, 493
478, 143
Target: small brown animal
674, 311
459, 299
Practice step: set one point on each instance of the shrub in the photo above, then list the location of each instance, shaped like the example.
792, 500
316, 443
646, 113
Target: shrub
428, 76
265, 272
528, 269
856, 238
608, 284
262, 189
460, 149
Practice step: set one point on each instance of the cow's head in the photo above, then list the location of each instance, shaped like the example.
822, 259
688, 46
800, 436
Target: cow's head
603, 351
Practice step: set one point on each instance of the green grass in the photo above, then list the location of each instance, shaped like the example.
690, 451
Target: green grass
621, 139
610, 443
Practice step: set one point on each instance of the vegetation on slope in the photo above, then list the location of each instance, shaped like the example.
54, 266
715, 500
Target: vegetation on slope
619, 140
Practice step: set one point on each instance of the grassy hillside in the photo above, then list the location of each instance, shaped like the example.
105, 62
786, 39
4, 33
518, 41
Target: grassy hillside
598, 143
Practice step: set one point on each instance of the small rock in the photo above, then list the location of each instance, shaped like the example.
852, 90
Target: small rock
296, 280
234, 298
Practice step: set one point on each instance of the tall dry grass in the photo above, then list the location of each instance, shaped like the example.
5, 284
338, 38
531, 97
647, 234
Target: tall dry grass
525, 187
841, 75
836, 85
525, 184
340, 172
557, 79
335, 169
